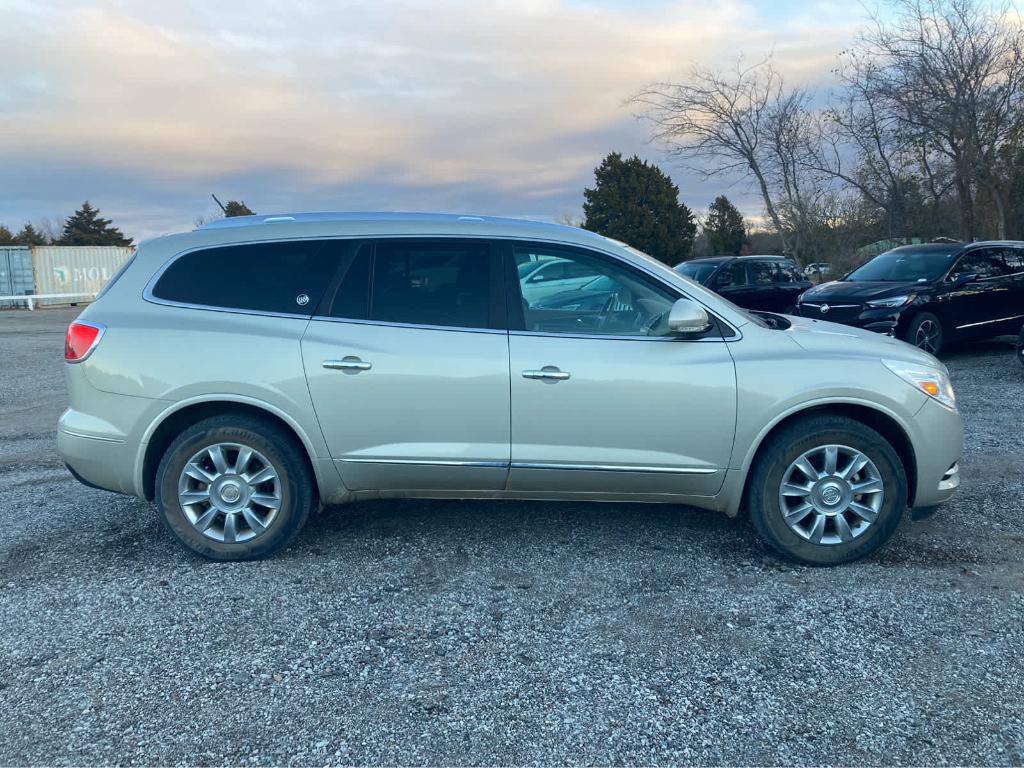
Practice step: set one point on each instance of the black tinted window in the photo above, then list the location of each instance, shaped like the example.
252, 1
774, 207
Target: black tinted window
982, 263
440, 283
352, 299
265, 277
731, 275
761, 272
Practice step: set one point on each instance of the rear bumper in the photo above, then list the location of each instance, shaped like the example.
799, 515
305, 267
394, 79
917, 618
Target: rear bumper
97, 461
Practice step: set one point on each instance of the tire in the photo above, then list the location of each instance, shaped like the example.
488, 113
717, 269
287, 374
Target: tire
281, 502
767, 505
925, 332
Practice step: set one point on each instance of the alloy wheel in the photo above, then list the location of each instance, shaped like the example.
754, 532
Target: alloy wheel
831, 494
229, 492
927, 336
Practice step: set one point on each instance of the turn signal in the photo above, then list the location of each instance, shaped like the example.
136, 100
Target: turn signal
81, 340
930, 387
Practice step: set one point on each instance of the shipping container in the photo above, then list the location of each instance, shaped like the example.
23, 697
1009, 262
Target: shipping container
76, 269
15, 274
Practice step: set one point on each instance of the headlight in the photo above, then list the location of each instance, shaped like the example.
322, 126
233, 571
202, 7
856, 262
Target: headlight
893, 301
933, 382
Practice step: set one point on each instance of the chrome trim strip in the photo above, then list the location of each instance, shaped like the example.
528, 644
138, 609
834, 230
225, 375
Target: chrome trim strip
101, 438
988, 322
424, 463
661, 339
527, 465
389, 324
619, 468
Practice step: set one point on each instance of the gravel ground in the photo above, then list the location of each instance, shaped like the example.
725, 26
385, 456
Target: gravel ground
493, 633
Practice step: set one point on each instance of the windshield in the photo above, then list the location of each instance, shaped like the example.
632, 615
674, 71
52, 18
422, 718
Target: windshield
699, 271
904, 266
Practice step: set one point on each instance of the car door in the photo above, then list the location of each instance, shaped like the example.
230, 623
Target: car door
731, 282
790, 284
977, 307
762, 285
407, 365
603, 400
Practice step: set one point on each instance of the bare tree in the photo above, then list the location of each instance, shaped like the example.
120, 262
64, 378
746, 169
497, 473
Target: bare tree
951, 72
716, 121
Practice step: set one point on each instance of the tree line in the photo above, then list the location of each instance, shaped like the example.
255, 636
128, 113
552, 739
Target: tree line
923, 135
87, 227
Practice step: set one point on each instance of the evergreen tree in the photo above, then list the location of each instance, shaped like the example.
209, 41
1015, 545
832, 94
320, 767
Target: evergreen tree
6, 238
86, 227
29, 235
237, 208
724, 228
635, 202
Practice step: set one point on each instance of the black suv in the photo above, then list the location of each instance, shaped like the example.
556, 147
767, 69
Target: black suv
765, 283
929, 295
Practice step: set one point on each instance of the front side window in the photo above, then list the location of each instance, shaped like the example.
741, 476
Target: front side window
277, 277
597, 297
761, 272
732, 276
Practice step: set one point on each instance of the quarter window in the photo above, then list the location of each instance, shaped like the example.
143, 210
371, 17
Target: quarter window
279, 277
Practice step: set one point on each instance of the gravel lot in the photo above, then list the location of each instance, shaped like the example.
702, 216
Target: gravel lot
462, 632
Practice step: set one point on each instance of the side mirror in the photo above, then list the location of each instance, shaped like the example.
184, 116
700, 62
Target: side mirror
687, 318
964, 278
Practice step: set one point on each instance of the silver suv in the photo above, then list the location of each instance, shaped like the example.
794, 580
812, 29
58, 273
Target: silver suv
244, 373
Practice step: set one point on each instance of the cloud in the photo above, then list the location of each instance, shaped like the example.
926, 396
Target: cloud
500, 107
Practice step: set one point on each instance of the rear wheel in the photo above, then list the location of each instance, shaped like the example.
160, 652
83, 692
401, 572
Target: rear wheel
925, 332
827, 490
234, 488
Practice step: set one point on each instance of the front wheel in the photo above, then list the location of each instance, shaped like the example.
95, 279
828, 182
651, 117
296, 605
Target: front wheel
925, 332
827, 490
234, 488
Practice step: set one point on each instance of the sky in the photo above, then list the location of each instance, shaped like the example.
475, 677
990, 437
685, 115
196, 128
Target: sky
473, 106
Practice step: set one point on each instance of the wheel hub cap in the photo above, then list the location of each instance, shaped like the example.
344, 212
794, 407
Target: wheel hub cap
831, 494
229, 492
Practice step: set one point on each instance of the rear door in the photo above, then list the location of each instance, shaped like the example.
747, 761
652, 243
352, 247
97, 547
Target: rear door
407, 365
979, 307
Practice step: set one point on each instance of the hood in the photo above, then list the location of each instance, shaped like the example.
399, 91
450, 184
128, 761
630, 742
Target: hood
839, 290
818, 336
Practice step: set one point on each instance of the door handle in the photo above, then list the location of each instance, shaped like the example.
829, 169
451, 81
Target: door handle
348, 364
547, 373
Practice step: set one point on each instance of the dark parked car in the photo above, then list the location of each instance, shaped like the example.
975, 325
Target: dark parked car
929, 295
765, 283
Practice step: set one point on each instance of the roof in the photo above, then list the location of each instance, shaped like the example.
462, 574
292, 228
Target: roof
350, 217
720, 259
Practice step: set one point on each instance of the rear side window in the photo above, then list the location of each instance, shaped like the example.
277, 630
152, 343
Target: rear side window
439, 283
282, 277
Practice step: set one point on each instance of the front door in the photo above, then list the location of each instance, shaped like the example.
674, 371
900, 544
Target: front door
407, 364
604, 400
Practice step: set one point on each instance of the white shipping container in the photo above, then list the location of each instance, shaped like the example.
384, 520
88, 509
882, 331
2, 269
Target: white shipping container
76, 269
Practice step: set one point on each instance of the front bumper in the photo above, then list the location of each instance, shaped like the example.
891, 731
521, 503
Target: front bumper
884, 320
938, 442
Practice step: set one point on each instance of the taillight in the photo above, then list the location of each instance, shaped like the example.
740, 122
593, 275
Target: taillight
81, 340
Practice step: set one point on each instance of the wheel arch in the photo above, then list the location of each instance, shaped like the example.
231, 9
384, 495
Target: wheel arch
182, 415
880, 421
